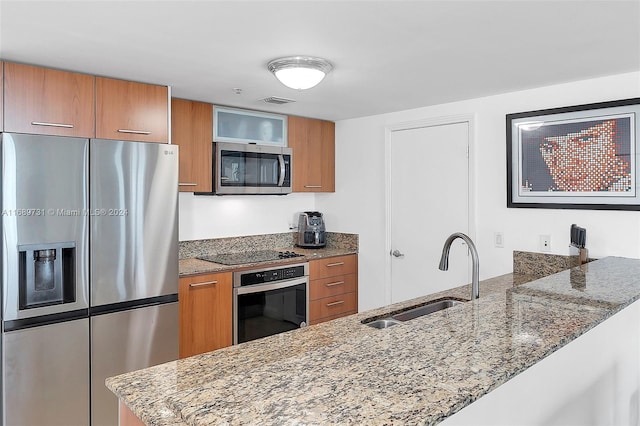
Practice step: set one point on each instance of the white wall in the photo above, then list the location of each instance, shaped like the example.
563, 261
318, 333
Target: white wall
358, 205
204, 217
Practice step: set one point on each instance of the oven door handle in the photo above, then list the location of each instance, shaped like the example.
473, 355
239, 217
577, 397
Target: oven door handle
258, 288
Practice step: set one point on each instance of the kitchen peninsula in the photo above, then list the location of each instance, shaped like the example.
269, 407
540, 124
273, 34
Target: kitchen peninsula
422, 371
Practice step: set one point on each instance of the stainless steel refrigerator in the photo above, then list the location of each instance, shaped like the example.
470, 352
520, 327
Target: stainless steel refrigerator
89, 272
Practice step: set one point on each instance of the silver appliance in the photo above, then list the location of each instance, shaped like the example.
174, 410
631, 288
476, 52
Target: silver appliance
45, 280
269, 301
250, 169
74, 313
311, 230
134, 263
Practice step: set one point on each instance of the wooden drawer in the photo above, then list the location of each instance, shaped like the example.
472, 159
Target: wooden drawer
333, 266
332, 306
333, 286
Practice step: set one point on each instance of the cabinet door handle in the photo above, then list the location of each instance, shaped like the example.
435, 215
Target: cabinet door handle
313, 186
42, 123
135, 132
335, 264
203, 283
336, 283
339, 302
187, 184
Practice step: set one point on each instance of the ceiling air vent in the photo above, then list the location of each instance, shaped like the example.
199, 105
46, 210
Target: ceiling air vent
277, 101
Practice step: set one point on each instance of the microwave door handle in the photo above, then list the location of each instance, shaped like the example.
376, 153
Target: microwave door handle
283, 170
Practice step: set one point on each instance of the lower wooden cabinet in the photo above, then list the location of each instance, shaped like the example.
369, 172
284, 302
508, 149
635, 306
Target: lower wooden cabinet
333, 288
205, 313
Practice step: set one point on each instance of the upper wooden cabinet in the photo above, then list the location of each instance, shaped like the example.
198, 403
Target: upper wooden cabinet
313, 144
127, 110
191, 128
45, 101
205, 313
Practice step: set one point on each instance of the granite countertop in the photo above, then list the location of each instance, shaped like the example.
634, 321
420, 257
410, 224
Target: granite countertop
420, 371
193, 266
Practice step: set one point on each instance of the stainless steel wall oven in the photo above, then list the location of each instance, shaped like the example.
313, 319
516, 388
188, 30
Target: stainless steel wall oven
269, 301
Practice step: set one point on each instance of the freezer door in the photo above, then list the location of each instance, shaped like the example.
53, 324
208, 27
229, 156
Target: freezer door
44, 203
127, 341
134, 226
46, 375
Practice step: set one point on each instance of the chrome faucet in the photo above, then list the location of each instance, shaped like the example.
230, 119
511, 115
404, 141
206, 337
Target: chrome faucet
444, 261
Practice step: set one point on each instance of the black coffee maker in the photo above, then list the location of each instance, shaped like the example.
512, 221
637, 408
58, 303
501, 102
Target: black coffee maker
311, 230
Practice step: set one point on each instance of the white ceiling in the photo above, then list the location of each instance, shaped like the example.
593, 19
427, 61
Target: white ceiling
387, 55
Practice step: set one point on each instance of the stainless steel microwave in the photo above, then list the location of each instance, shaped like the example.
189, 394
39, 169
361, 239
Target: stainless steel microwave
250, 169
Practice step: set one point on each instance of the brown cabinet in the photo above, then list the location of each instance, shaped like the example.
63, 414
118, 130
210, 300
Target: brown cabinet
333, 288
205, 313
313, 144
45, 101
126, 110
191, 129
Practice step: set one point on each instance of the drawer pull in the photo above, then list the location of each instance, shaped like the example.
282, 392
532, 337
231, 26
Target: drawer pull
204, 283
339, 302
135, 132
335, 264
336, 283
187, 184
313, 186
42, 123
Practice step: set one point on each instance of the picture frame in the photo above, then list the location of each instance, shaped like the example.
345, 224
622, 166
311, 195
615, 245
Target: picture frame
246, 126
576, 157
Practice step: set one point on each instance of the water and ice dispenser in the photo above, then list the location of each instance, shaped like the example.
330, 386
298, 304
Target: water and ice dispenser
46, 274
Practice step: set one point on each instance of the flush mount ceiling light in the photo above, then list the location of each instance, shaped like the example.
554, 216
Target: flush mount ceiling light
299, 72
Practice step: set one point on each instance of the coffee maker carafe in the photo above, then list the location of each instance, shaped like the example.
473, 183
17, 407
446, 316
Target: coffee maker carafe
311, 230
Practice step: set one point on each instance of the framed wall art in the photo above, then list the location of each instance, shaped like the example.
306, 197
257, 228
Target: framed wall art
577, 157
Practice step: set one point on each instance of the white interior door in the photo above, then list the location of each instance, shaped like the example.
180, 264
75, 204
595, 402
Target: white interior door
429, 189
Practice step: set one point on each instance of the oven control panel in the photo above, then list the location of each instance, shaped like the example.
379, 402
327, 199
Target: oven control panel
270, 275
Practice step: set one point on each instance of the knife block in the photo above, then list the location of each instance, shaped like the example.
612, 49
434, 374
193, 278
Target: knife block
578, 255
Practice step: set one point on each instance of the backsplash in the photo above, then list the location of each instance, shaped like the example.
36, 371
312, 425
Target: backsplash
540, 264
285, 240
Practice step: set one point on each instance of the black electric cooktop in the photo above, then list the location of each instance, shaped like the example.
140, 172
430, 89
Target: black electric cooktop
249, 257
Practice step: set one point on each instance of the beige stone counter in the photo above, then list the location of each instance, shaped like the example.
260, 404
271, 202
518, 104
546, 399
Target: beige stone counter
420, 371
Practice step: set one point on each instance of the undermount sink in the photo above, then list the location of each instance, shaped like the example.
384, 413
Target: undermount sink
426, 309
383, 323
411, 313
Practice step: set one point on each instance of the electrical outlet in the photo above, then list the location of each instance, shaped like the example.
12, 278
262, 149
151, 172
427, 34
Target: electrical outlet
545, 243
498, 239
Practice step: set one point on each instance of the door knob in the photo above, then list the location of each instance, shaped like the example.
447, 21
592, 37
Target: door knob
397, 253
